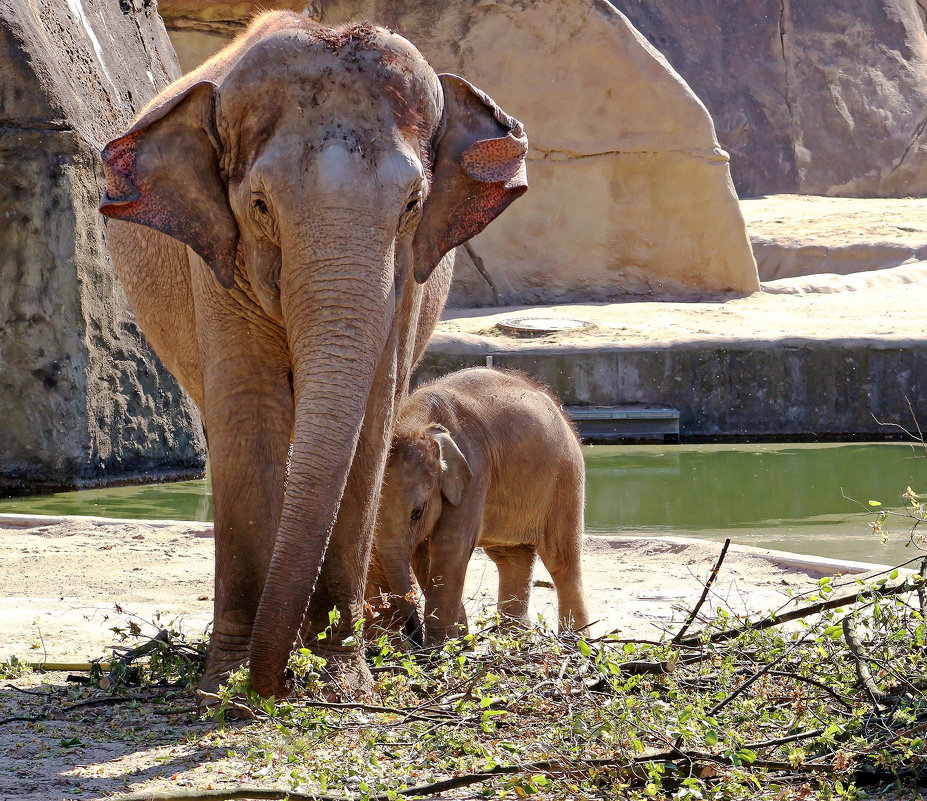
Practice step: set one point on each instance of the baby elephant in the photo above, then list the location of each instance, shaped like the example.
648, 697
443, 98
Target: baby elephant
479, 457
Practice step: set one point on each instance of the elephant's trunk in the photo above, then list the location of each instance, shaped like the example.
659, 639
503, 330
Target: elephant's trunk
396, 563
338, 330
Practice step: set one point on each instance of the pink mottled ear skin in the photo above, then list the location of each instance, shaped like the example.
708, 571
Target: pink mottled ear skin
479, 169
496, 160
164, 174
118, 169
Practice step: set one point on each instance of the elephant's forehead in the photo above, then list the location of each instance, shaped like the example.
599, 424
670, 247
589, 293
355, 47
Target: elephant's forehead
376, 78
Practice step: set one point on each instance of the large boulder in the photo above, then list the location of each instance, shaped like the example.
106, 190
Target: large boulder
818, 97
630, 191
82, 398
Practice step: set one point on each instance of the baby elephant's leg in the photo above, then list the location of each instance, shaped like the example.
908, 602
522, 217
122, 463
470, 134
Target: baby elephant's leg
516, 567
561, 551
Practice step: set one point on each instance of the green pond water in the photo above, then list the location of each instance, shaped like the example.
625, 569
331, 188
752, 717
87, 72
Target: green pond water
789, 497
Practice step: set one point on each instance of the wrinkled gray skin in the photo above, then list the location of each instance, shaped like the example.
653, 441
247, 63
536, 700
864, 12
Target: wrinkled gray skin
281, 216
479, 457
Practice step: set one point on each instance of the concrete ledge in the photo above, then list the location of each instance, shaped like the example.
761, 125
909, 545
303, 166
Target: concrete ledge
723, 388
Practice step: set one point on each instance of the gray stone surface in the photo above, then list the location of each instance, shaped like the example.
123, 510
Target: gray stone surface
82, 398
820, 97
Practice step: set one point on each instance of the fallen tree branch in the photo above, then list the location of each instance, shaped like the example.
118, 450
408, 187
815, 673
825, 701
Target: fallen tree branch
791, 738
426, 716
922, 589
40, 694
805, 611
467, 779
63, 667
698, 605
749, 682
785, 674
157, 643
23, 718
112, 700
859, 659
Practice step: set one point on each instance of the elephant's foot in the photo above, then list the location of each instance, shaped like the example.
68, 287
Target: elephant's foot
345, 675
228, 650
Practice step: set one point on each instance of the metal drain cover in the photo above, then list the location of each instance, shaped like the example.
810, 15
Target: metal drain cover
533, 326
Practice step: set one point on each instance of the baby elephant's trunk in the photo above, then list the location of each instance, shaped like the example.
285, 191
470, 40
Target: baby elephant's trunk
404, 588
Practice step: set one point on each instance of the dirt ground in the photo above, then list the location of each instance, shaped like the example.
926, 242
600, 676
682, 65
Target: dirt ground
66, 584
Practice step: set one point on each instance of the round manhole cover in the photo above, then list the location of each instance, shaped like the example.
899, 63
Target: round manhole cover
532, 326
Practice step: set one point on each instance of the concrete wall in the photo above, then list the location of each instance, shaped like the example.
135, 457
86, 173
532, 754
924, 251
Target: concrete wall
728, 390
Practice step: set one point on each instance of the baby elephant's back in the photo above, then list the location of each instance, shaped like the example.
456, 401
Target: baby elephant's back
533, 451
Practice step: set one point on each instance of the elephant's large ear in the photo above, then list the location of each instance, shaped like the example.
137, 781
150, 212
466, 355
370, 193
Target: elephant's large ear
455, 470
164, 173
479, 168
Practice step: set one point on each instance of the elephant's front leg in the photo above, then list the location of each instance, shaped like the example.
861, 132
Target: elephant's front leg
342, 581
450, 547
248, 415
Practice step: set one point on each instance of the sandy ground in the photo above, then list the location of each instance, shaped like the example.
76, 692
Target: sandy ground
67, 583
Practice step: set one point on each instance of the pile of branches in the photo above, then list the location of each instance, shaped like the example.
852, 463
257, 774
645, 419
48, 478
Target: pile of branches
821, 699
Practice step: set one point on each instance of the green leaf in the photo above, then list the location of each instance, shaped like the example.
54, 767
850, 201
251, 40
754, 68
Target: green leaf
834, 632
71, 742
711, 737
747, 756
584, 648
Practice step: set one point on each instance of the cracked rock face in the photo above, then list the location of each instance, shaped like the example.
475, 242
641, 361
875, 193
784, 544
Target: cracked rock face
821, 97
629, 190
82, 398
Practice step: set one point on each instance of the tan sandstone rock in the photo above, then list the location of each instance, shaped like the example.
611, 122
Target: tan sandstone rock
630, 192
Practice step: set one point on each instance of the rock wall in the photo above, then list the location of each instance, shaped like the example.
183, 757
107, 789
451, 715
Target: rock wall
818, 97
82, 398
630, 192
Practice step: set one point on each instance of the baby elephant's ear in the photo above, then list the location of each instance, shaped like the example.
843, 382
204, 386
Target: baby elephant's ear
164, 173
478, 169
455, 471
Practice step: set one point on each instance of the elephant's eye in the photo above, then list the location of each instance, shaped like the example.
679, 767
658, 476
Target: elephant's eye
414, 202
412, 210
417, 512
263, 217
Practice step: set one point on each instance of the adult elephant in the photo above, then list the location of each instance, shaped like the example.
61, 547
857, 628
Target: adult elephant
281, 217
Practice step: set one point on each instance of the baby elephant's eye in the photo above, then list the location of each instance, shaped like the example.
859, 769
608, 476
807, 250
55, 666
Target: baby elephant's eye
417, 512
